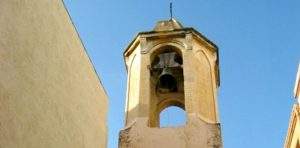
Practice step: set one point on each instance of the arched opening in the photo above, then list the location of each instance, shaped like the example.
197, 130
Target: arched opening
166, 70
167, 88
172, 116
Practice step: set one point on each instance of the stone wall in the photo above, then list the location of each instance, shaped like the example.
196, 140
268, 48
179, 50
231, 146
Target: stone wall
195, 134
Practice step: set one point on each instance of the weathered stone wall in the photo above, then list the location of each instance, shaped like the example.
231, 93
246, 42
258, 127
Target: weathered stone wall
50, 95
195, 134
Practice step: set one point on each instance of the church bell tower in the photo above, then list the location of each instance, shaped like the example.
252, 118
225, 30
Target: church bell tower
171, 66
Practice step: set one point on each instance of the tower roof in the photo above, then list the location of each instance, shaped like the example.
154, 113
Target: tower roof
167, 25
166, 28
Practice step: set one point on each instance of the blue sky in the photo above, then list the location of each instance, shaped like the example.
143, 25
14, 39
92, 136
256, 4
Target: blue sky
259, 49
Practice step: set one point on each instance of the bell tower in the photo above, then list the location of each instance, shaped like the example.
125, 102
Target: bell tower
171, 66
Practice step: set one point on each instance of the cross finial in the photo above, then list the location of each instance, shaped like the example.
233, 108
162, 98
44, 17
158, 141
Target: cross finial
171, 11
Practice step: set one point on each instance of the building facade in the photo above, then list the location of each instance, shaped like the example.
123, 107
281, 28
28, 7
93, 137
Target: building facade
50, 94
293, 135
171, 66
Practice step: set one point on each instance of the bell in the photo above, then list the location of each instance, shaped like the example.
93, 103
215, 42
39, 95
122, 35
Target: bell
166, 81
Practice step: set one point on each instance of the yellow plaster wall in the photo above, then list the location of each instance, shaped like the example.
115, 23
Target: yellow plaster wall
205, 83
133, 86
200, 88
50, 95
